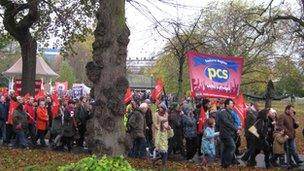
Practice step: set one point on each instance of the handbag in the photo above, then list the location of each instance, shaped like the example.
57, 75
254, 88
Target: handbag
253, 130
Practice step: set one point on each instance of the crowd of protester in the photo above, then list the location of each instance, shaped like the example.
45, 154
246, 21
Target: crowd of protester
196, 129
210, 130
26, 122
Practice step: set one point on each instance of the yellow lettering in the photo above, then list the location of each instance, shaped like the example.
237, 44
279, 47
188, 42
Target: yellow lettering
211, 73
225, 74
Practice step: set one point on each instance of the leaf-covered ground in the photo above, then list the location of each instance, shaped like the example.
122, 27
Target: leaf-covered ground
17, 159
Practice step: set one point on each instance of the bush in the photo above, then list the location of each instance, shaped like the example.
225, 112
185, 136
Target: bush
93, 163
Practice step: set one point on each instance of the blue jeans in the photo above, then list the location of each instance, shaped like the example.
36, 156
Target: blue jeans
21, 139
227, 151
291, 151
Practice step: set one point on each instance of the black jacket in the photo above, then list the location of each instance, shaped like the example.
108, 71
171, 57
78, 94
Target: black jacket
3, 111
175, 121
250, 120
225, 124
82, 115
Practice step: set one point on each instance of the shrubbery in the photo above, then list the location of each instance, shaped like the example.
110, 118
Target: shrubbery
93, 163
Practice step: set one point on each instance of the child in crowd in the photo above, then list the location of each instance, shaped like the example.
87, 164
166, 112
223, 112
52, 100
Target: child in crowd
161, 142
208, 141
278, 146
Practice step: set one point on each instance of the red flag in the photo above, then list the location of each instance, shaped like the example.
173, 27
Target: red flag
39, 95
12, 107
201, 121
128, 95
55, 106
240, 108
159, 87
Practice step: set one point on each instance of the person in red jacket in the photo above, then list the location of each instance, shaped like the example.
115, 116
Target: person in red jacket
30, 111
41, 123
13, 104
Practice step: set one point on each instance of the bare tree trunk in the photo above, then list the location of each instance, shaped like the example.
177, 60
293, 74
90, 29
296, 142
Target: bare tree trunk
107, 71
180, 80
28, 52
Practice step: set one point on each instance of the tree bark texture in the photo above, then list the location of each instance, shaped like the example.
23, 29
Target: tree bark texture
28, 53
107, 71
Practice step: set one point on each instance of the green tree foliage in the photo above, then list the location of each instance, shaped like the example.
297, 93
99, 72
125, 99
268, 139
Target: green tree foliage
166, 68
66, 73
290, 78
5, 40
79, 56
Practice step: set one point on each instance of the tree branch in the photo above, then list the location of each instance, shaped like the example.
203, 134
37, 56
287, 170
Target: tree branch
31, 17
253, 82
289, 17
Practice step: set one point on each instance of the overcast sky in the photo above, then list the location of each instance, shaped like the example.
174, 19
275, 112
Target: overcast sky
144, 40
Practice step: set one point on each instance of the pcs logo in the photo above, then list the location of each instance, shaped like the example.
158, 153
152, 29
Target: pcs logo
217, 73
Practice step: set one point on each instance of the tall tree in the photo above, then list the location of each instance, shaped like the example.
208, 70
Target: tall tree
179, 44
30, 20
81, 55
107, 71
66, 73
290, 78
21, 32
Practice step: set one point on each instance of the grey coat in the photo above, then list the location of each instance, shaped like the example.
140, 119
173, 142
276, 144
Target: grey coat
189, 125
20, 117
57, 123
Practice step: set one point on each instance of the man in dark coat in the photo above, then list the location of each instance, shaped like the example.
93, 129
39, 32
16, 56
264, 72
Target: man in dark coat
175, 121
288, 123
149, 123
252, 114
3, 116
82, 116
137, 126
227, 133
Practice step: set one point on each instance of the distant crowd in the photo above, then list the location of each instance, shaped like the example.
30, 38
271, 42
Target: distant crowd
25, 122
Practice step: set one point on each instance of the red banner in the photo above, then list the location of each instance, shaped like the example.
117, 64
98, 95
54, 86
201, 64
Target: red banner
18, 84
214, 75
159, 87
240, 108
55, 106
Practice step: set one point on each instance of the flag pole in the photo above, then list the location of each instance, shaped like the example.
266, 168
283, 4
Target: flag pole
166, 100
